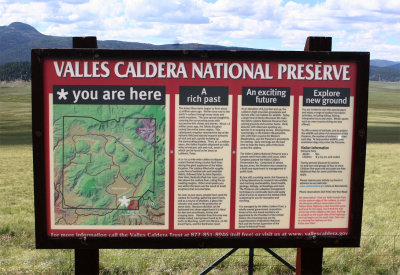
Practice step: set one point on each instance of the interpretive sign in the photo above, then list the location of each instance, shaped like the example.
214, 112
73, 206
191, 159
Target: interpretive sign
198, 148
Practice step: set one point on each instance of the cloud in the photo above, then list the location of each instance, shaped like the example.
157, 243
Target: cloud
256, 9
30, 13
354, 25
166, 11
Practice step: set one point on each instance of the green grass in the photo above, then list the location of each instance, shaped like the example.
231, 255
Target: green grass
384, 113
380, 243
15, 113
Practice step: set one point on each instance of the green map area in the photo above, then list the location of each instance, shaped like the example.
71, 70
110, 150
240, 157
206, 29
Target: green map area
109, 164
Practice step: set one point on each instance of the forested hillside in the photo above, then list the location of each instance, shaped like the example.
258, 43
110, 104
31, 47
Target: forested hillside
17, 40
15, 71
389, 73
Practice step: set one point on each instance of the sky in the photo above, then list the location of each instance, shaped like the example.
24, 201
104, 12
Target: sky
354, 25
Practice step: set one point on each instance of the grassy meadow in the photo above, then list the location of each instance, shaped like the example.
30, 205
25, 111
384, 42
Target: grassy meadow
380, 246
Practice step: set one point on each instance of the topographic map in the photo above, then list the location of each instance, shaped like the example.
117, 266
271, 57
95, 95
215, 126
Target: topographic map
109, 165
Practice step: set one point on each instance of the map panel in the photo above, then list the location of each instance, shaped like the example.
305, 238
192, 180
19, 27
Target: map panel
109, 165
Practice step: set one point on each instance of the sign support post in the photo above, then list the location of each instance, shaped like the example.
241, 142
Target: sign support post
251, 261
309, 260
86, 260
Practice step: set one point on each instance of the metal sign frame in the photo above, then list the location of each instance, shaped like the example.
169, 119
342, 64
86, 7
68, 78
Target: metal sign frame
358, 160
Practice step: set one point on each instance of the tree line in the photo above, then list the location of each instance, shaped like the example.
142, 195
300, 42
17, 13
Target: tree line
15, 71
384, 74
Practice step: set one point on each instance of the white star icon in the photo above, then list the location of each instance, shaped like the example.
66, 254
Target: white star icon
124, 201
62, 94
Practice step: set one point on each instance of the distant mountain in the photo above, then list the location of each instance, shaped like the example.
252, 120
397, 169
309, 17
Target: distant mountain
384, 70
395, 66
382, 63
389, 74
17, 40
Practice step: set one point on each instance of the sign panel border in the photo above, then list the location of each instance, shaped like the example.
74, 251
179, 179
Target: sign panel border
39, 109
